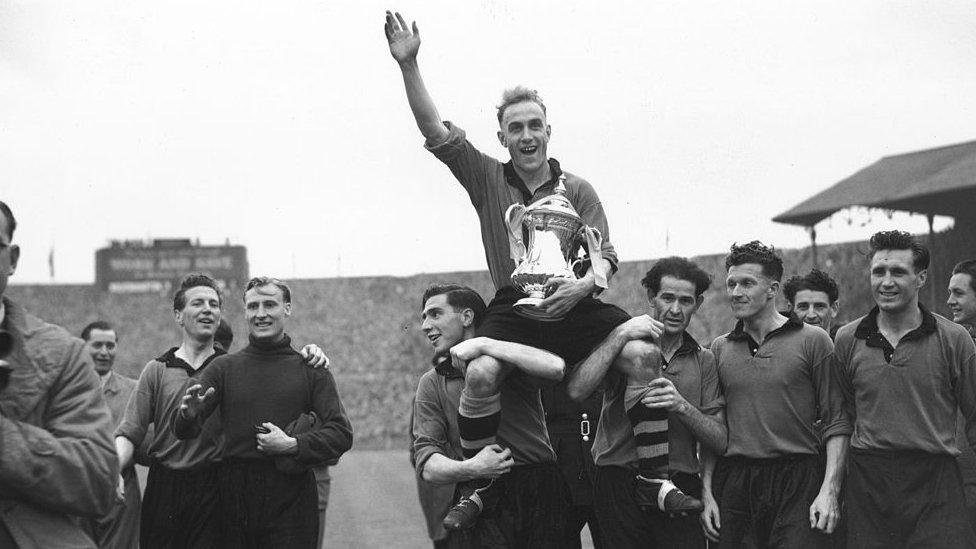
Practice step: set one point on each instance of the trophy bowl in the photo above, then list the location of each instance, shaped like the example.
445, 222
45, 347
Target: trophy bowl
545, 238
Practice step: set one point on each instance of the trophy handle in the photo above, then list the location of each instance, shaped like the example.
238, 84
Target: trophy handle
594, 244
513, 222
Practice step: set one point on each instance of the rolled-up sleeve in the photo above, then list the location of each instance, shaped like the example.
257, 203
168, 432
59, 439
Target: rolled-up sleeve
966, 387
712, 399
470, 166
430, 429
68, 463
139, 410
830, 394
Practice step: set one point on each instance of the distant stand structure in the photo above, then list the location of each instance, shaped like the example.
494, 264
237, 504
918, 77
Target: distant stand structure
157, 265
931, 182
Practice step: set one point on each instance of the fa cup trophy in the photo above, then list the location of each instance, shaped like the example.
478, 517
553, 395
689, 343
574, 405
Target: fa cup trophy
545, 238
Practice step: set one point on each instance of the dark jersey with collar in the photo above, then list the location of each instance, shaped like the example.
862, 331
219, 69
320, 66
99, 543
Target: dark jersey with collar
692, 370
906, 397
775, 389
493, 186
159, 392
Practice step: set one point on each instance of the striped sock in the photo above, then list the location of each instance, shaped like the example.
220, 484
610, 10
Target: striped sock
478, 420
650, 433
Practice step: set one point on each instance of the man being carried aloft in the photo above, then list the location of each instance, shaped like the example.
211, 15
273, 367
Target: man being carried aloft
493, 187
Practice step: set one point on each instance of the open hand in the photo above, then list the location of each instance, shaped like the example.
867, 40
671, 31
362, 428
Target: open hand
194, 400
404, 44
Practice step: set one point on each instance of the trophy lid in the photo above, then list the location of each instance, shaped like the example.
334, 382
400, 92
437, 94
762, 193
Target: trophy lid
556, 203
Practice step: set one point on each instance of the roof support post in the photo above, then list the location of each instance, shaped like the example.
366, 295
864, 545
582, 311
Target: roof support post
813, 245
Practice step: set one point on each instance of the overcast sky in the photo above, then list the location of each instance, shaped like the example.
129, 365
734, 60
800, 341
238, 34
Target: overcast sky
284, 126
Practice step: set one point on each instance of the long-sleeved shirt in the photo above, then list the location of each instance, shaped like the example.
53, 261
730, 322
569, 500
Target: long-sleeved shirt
493, 187
777, 389
157, 398
56, 453
907, 397
269, 382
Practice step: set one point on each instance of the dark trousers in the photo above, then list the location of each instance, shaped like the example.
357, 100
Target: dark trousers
528, 511
626, 526
573, 338
767, 501
179, 509
905, 499
261, 507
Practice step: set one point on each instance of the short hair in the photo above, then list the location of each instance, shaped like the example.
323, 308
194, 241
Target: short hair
679, 268
518, 94
816, 280
900, 240
967, 267
194, 280
268, 281
459, 297
224, 336
11, 220
98, 325
756, 252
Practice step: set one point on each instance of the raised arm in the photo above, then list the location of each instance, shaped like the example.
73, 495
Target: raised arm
404, 46
534, 362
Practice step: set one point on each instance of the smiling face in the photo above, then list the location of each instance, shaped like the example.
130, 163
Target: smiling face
750, 291
443, 325
201, 313
814, 308
894, 282
101, 346
962, 299
525, 133
265, 310
674, 304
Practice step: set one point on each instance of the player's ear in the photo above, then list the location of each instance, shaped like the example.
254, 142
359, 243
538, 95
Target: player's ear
501, 139
467, 318
287, 309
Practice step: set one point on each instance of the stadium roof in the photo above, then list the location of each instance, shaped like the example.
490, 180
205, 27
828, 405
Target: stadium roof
939, 181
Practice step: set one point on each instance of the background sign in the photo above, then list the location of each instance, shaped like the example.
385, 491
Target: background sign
159, 265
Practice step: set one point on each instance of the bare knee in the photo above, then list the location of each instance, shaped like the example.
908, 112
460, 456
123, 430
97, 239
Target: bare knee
484, 376
640, 361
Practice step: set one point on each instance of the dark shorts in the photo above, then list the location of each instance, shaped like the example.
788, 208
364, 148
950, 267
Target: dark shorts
179, 509
768, 501
261, 507
905, 499
528, 511
625, 526
573, 338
